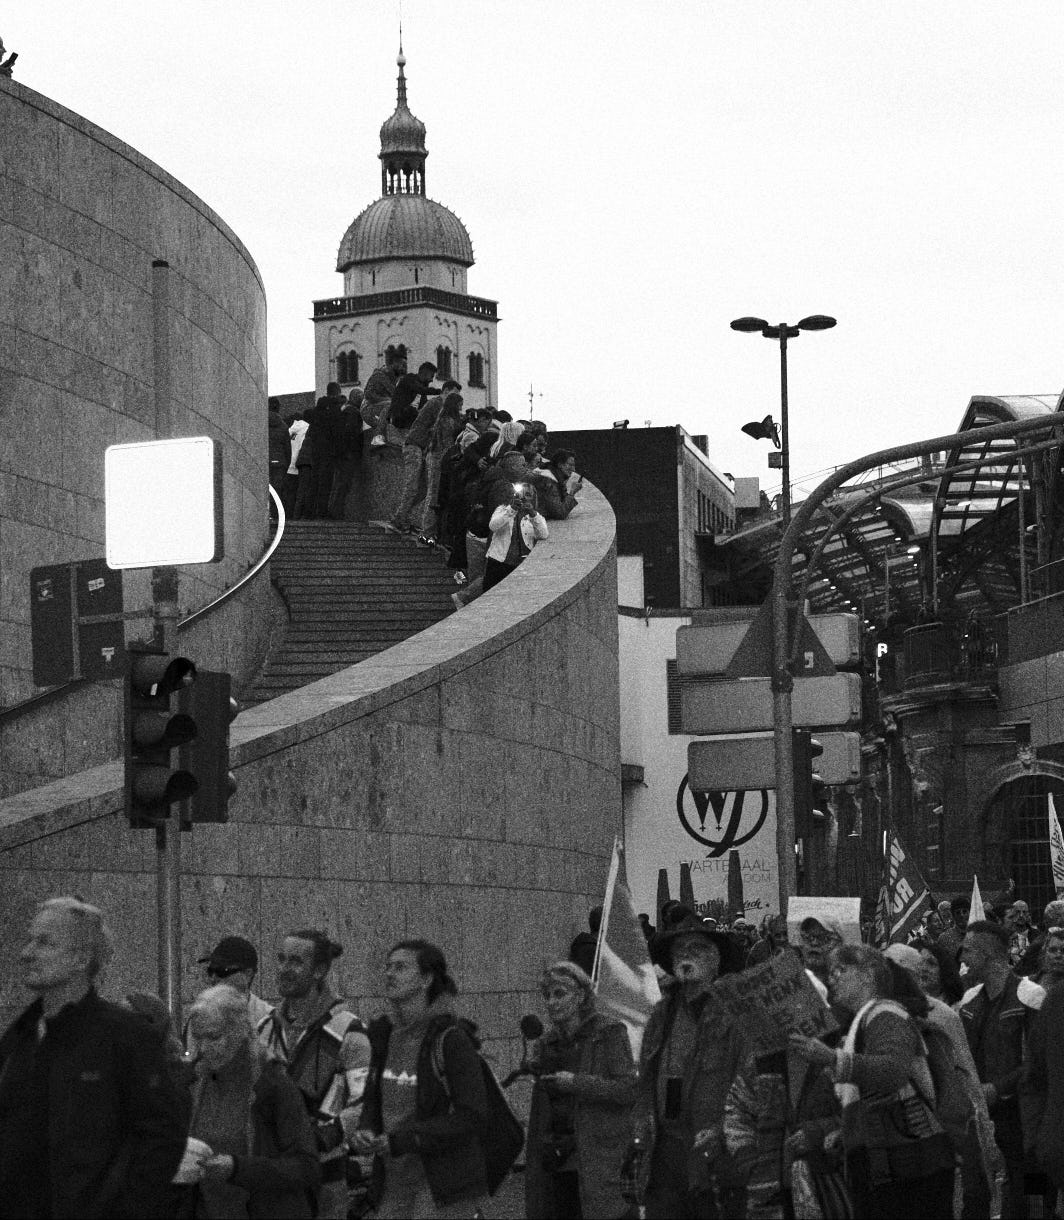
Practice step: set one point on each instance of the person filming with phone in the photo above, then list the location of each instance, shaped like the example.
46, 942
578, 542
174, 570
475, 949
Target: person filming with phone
516, 526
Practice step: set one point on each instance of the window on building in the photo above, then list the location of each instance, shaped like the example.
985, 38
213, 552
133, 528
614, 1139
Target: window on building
417, 275
373, 278
347, 368
934, 844
443, 363
672, 692
476, 369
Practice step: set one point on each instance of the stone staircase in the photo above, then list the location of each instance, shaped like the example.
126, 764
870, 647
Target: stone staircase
352, 591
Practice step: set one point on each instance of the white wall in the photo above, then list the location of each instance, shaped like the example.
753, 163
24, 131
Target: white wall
655, 836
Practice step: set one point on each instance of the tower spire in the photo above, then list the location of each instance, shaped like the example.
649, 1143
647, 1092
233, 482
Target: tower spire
403, 150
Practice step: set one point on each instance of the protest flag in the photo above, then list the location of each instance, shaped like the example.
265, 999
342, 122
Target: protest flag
908, 893
625, 982
1056, 849
976, 911
881, 928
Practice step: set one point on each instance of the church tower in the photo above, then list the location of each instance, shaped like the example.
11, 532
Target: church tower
404, 260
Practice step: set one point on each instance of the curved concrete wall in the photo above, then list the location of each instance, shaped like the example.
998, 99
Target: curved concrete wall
463, 786
82, 216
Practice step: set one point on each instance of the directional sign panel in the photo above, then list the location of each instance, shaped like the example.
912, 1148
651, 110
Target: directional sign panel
748, 761
710, 647
745, 704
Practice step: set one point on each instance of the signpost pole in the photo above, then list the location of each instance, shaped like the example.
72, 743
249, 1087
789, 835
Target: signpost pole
168, 834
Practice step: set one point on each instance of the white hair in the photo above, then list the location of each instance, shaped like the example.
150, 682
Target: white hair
227, 1002
90, 929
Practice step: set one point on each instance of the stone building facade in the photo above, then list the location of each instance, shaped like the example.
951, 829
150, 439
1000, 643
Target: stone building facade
82, 219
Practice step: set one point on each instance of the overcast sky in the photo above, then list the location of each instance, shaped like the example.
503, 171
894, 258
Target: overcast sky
634, 175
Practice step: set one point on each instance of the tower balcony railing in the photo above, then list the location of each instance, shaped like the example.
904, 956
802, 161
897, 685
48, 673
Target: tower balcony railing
374, 302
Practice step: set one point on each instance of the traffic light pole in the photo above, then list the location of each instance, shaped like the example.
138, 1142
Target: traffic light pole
784, 606
164, 585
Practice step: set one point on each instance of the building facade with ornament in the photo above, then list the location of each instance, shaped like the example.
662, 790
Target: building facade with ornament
405, 261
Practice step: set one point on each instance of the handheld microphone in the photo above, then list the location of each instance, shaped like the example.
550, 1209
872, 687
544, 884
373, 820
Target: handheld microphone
531, 1029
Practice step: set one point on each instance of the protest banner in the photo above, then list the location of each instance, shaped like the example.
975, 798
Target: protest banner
845, 913
773, 1000
907, 891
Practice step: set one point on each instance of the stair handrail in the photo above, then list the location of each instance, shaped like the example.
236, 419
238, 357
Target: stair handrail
66, 688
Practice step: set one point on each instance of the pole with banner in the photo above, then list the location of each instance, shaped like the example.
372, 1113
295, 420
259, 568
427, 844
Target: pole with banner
977, 911
625, 982
1056, 848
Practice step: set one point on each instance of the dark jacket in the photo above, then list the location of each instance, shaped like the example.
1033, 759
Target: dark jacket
325, 436
280, 441
116, 1124
555, 503
719, 1051
444, 1129
282, 1173
997, 1034
604, 1089
1042, 1088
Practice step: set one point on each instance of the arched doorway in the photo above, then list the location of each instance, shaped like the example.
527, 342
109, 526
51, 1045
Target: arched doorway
1016, 830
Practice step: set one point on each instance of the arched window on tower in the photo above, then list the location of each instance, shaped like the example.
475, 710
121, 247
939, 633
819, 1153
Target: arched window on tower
393, 350
443, 363
476, 369
347, 367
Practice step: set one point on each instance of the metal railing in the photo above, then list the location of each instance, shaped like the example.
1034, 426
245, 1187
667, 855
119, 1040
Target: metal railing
373, 302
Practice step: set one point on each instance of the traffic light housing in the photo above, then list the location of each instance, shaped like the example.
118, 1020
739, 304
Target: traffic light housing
810, 792
209, 704
151, 730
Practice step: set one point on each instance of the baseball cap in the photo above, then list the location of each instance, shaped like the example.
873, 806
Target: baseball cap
231, 953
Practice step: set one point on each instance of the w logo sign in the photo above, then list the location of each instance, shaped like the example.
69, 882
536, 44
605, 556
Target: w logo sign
721, 820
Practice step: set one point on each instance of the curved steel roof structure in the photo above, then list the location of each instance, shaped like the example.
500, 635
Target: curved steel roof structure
941, 535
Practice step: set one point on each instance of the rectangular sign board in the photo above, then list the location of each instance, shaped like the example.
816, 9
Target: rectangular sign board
61, 594
708, 648
747, 762
744, 705
772, 1000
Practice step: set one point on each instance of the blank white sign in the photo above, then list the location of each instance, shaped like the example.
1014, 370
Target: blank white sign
160, 503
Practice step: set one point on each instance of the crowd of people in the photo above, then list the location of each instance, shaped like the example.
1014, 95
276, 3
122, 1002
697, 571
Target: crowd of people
940, 1093
406, 455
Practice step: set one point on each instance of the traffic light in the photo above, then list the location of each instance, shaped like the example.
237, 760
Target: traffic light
150, 731
810, 792
211, 707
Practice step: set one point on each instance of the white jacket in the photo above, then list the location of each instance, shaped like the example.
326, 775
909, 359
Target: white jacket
533, 530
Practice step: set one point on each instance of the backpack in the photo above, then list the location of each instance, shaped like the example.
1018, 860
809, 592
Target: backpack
500, 1132
953, 1105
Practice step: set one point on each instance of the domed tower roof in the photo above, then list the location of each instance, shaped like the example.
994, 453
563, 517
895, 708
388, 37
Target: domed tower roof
404, 222
405, 226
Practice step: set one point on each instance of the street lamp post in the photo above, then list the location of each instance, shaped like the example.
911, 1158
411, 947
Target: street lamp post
784, 331
783, 608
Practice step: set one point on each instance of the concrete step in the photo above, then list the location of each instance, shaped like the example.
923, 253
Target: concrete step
351, 591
